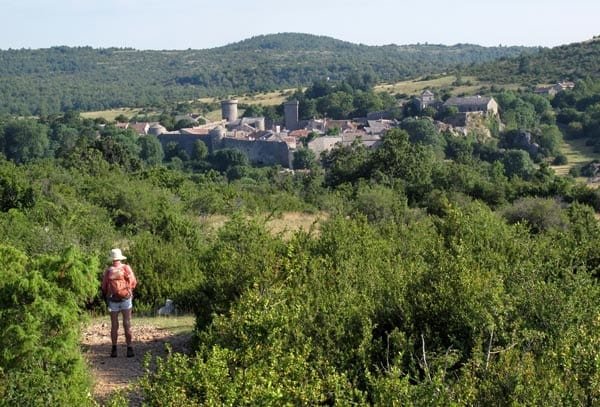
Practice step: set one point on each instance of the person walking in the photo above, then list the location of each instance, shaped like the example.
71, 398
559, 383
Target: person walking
118, 283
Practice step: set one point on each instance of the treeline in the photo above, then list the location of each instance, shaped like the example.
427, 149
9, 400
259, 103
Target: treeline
52, 80
566, 62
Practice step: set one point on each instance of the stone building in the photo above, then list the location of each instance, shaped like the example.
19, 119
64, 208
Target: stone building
468, 104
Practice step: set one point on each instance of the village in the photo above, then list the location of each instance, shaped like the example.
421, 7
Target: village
276, 145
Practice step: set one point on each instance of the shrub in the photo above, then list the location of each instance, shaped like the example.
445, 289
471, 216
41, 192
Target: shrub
40, 303
540, 214
560, 159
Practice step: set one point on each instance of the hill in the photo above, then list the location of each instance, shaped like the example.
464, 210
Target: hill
51, 80
572, 61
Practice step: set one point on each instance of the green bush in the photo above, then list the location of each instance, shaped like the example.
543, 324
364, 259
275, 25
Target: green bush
40, 310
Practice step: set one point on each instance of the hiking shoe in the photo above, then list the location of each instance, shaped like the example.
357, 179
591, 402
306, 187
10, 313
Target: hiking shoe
113, 352
129, 352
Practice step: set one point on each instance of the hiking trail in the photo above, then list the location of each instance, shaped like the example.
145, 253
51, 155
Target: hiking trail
113, 374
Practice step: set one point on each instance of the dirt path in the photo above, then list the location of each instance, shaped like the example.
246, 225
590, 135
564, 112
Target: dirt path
118, 373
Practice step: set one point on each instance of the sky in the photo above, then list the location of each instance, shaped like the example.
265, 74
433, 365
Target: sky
183, 24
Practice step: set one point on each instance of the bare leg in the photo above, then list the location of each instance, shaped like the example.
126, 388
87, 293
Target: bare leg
127, 325
114, 327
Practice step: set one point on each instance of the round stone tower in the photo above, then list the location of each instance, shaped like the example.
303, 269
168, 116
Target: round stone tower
229, 109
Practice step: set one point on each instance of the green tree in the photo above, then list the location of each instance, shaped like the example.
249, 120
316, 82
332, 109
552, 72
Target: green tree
226, 158
518, 163
184, 124
550, 139
398, 158
24, 140
345, 164
422, 131
200, 151
337, 105
303, 159
151, 150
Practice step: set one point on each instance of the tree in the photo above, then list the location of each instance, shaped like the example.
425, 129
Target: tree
337, 105
398, 158
184, 123
518, 163
24, 140
421, 131
199, 151
345, 164
226, 158
540, 214
303, 158
121, 118
151, 150
550, 139
365, 102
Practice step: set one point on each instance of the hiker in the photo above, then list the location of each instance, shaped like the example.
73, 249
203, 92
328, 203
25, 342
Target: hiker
118, 283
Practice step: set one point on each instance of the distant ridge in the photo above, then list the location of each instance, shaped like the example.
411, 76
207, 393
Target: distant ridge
51, 80
572, 61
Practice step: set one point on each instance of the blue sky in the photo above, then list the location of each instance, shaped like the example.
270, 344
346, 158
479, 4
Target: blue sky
182, 24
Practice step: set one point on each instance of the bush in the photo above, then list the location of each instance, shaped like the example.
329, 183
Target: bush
540, 214
40, 310
560, 159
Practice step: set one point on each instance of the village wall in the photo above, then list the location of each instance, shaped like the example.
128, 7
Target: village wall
258, 151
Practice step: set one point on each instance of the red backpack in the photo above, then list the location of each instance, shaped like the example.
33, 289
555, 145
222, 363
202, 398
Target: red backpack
118, 283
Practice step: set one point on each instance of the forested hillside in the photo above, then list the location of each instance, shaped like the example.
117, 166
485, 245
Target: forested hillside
572, 61
52, 80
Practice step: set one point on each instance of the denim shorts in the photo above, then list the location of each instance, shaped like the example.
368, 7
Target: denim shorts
120, 306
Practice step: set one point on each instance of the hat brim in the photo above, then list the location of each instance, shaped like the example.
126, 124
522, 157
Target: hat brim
118, 258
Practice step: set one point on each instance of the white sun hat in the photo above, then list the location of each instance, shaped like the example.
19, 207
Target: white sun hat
115, 254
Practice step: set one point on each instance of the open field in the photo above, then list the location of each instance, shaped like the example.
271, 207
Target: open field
577, 153
110, 115
416, 86
285, 224
265, 98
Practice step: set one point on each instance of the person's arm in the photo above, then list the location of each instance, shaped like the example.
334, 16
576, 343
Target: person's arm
104, 283
131, 277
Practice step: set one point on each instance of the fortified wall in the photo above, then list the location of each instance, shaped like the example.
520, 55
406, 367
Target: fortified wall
262, 152
259, 152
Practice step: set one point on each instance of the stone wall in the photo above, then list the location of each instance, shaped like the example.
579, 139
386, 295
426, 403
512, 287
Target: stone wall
259, 152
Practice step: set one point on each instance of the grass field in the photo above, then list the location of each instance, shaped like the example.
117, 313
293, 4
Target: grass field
265, 98
110, 115
416, 86
577, 153
285, 224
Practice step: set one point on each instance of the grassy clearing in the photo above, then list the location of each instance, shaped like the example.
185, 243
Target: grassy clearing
291, 222
110, 115
265, 98
286, 224
577, 153
416, 86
